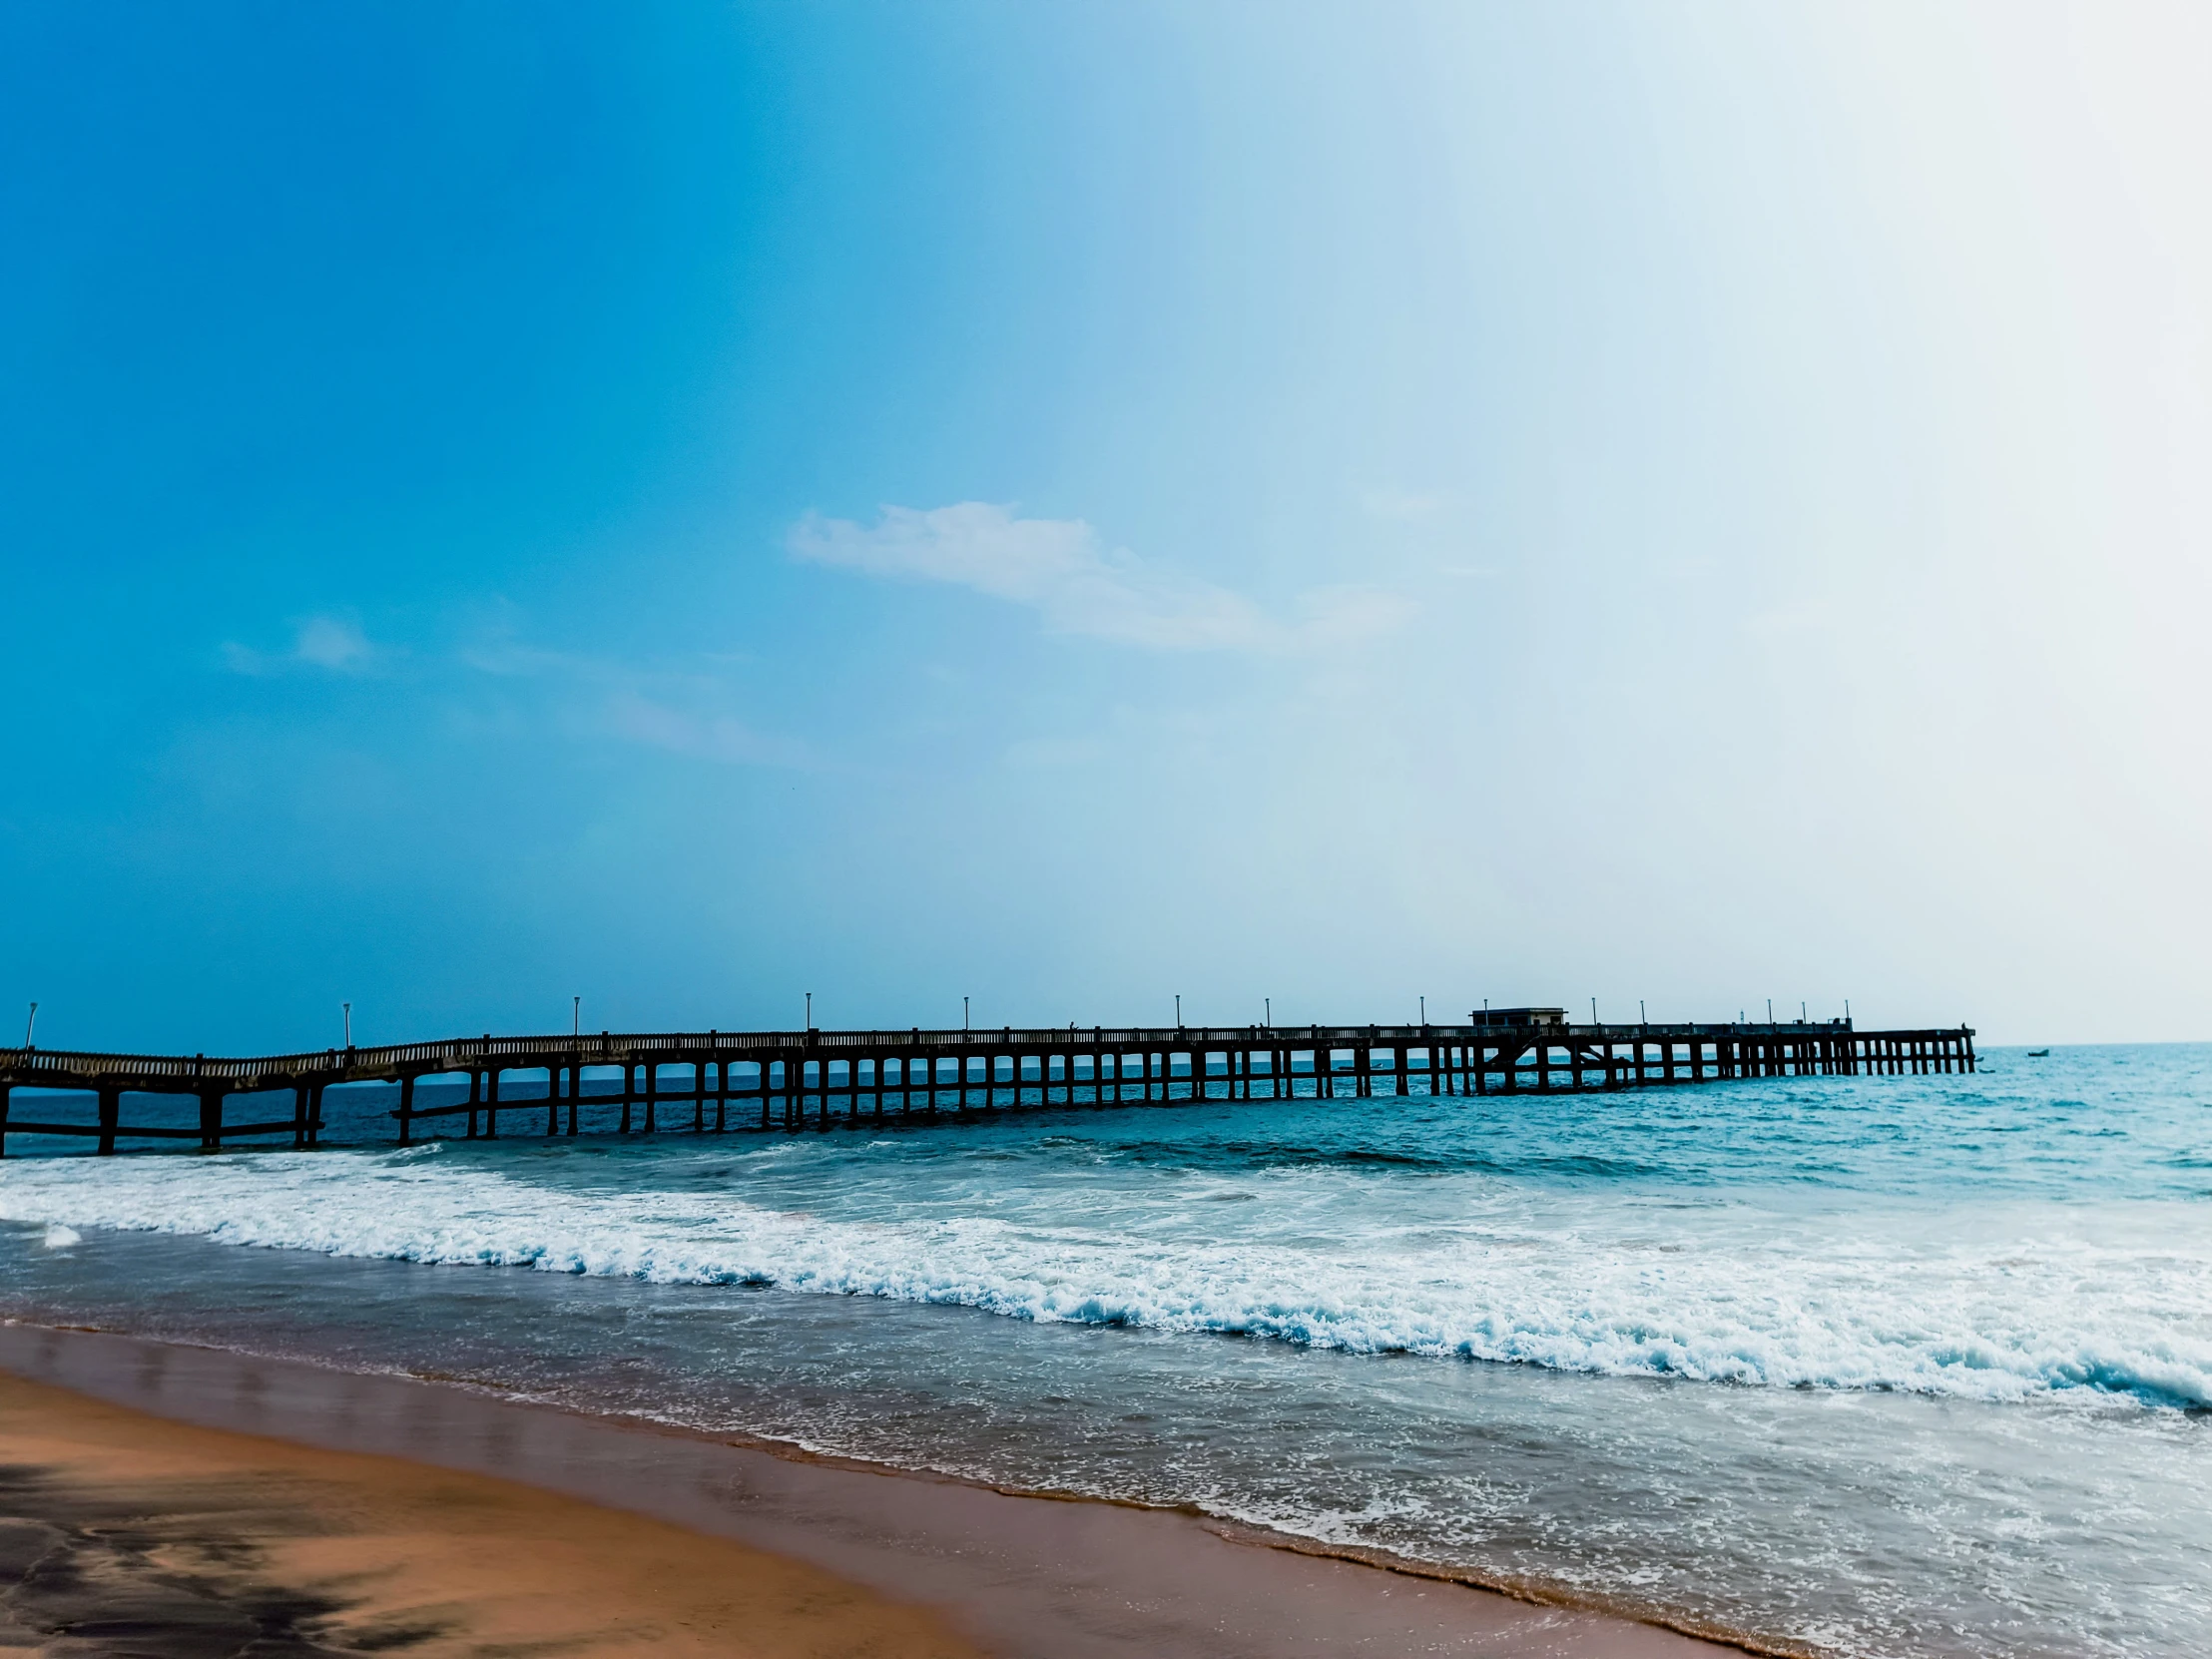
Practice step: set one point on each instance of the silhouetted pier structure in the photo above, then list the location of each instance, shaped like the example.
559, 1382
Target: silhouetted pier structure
699, 1081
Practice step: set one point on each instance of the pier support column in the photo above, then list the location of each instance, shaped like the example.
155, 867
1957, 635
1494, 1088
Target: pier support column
407, 1113
475, 1097
491, 1105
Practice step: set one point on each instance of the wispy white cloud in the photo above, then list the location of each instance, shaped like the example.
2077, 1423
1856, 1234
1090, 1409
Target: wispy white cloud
331, 644
1054, 751
1058, 568
1400, 506
680, 713
704, 735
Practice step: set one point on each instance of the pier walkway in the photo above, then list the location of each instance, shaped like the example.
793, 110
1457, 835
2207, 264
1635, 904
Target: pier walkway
723, 1079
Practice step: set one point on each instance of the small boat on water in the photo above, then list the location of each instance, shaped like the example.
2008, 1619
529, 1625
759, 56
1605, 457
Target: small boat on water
2039, 1054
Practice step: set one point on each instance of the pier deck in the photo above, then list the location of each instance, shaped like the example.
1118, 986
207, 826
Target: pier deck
726, 1078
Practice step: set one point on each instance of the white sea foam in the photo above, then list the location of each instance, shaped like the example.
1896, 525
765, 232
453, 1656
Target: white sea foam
2033, 1307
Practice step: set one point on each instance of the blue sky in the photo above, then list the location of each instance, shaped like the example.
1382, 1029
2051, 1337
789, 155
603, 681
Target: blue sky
688, 505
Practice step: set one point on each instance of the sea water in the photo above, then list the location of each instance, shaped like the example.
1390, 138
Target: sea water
1857, 1365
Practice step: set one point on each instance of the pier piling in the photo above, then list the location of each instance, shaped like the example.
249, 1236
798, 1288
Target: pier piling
1504, 1051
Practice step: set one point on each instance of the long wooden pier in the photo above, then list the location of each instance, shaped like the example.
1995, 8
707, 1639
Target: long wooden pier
721, 1078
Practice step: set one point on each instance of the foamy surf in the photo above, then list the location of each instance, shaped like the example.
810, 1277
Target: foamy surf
2038, 1307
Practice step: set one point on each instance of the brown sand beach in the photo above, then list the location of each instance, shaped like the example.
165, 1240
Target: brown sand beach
162, 1501
125, 1533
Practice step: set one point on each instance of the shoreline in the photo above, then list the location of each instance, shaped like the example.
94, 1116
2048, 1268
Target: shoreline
1047, 1574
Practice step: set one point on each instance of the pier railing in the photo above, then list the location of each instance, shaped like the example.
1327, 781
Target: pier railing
787, 1074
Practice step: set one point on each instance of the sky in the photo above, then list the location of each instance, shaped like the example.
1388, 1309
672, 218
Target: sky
1302, 508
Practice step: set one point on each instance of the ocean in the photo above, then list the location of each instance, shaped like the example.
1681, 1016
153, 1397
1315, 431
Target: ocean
1862, 1366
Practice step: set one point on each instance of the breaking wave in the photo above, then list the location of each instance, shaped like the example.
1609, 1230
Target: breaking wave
1706, 1297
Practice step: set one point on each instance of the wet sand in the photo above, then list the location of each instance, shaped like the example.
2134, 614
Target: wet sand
128, 1535
351, 1513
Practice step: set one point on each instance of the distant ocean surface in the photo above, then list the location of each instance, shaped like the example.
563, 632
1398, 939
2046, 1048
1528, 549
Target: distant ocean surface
1863, 1367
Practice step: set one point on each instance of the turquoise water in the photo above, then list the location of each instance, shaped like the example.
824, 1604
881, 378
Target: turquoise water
1877, 1366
